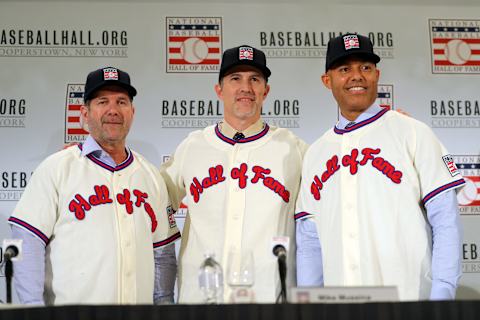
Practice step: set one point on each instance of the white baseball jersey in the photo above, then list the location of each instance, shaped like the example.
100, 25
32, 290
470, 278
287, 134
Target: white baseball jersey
98, 224
366, 188
239, 196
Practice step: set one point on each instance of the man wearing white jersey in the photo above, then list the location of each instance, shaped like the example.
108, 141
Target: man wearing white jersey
93, 214
378, 191
240, 178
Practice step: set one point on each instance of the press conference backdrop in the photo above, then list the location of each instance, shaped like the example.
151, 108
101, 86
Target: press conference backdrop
430, 67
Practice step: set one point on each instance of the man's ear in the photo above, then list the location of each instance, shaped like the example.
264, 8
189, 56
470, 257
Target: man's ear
326, 80
267, 90
84, 111
218, 91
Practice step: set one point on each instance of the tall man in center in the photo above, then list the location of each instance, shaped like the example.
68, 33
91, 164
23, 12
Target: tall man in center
240, 178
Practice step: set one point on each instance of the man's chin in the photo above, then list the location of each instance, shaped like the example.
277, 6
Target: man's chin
356, 107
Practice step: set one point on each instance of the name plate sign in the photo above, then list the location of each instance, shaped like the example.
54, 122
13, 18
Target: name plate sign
344, 294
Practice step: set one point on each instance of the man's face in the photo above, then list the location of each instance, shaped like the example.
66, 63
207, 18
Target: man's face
109, 115
242, 91
353, 83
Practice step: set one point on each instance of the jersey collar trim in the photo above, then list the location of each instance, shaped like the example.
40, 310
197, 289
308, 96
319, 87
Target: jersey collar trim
121, 166
244, 140
361, 123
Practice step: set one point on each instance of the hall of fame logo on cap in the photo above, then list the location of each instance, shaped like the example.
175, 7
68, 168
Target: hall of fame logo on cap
245, 53
194, 44
351, 42
385, 96
455, 46
74, 131
110, 74
469, 196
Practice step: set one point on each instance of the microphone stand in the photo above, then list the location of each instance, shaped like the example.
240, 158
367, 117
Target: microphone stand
10, 252
8, 278
282, 270
281, 254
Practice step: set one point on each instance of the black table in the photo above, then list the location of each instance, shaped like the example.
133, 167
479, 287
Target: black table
441, 310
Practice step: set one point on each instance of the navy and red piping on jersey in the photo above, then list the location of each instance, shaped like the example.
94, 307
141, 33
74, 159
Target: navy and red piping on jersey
121, 166
441, 189
361, 123
39, 234
301, 215
166, 241
244, 140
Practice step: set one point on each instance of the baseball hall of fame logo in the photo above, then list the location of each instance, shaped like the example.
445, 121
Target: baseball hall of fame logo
385, 96
194, 44
74, 131
469, 196
455, 46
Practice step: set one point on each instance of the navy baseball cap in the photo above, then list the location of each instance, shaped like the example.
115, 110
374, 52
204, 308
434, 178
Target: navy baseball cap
108, 76
244, 55
349, 44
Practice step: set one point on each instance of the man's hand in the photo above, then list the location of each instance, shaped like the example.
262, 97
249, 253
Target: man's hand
68, 145
405, 113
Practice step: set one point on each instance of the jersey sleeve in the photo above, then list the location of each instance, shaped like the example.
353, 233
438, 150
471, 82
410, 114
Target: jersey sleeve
436, 170
166, 230
305, 205
37, 209
302, 147
171, 172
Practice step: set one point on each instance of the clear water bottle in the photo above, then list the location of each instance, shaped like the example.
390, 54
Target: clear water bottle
210, 279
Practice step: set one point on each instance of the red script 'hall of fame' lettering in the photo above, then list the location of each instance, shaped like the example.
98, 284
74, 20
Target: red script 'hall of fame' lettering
259, 174
352, 162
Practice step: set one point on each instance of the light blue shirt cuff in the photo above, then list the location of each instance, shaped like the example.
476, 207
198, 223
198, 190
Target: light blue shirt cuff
165, 274
29, 272
309, 254
447, 237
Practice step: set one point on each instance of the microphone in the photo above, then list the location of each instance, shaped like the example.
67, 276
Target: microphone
280, 245
12, 249
10, 252
280, 252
